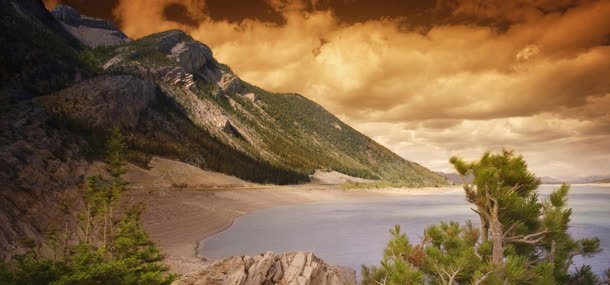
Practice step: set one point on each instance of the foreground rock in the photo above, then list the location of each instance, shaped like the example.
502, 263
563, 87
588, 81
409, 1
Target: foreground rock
298, 268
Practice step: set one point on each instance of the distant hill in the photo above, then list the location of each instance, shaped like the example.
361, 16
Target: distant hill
578, 180
456, 178
590, 179
550, 180
607, 180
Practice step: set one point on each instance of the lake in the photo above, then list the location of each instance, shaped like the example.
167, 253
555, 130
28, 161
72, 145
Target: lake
352, 232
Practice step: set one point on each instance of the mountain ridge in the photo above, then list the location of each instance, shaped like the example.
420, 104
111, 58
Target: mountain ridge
278, 128
175, 80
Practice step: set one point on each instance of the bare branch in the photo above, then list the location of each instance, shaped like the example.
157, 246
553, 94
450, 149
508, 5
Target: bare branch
483, 213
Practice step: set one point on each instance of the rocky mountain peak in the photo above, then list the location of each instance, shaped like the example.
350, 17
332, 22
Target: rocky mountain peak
92, 32
67, 15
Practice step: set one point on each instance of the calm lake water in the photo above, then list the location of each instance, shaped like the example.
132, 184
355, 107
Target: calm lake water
354, 232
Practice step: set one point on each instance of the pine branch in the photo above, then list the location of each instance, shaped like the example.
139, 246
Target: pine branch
511, 228
534, 238
455, 273
483, 278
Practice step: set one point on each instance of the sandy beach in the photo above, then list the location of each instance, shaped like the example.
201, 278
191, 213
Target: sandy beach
178, 219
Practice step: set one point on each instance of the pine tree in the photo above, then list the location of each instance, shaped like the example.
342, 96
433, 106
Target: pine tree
503, 191
115, 167
522, 239
113, 248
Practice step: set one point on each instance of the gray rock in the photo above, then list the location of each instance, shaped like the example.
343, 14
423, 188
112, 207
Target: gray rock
66, 14
191, 56
299, 268
169, 39
260, 269
230, 83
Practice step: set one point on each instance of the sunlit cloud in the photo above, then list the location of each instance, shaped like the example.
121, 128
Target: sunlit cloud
528, 75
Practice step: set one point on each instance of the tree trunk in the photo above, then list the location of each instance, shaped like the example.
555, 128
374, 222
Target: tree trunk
88, 225
497, 254
111, 224
484, 229
105, 230
552, 253
497, 235
66, 239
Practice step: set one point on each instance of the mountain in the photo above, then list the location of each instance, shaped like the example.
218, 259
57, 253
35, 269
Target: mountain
590, 179
550, 180
169, 96
456, 178
91, 32
606, 180
193, 93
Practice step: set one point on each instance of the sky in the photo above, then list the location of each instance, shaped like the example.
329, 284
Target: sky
428, 79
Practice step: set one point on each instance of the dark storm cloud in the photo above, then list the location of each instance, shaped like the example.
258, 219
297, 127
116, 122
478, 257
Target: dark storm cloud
98, 9
237, 10
178, 13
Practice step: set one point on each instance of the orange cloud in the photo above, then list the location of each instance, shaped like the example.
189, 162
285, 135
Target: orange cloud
460, 86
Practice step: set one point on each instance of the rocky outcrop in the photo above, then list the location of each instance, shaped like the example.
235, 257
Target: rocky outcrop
197, 59
230, 83
297, 268
91, 32
191, 56
104, 101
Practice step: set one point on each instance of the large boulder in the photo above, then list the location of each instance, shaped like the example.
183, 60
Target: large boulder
191, 56
296, 268
230, 83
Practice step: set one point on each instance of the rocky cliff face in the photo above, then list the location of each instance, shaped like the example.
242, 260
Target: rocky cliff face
40, 165
298, 268
104, 101
91, 32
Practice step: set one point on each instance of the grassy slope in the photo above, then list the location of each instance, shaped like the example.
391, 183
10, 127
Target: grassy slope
315, 139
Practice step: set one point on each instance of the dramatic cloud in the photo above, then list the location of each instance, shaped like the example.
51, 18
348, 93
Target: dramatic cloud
428, 79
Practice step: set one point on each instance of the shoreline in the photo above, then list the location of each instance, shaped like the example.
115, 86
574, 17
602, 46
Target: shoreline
178, 220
